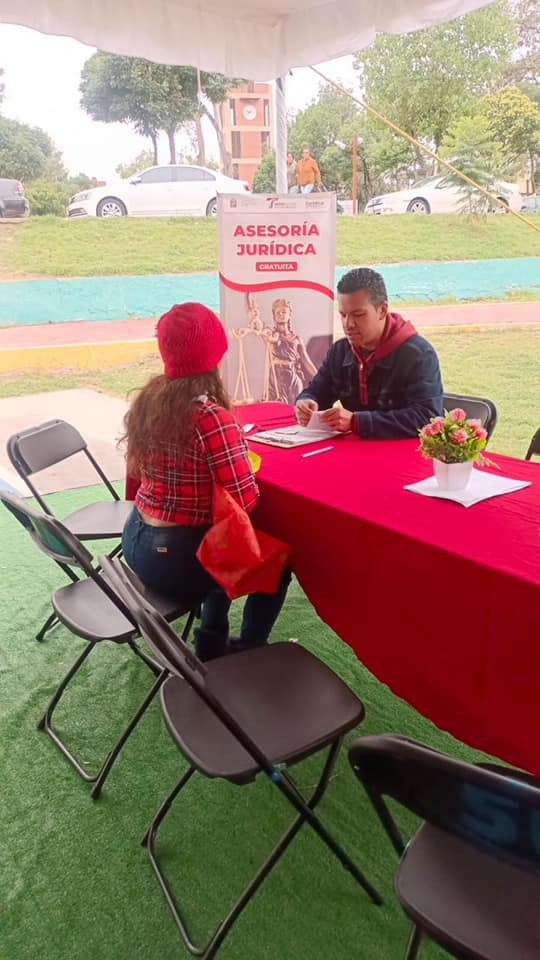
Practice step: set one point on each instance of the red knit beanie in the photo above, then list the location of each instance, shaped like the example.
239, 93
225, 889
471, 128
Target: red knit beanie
191, 340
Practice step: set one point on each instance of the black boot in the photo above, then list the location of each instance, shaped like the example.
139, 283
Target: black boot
208, 644
237, 645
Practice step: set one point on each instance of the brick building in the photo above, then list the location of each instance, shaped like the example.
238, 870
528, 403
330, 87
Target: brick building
248, 126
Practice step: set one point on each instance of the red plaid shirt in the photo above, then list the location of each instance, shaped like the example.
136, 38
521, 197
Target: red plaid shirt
178, 487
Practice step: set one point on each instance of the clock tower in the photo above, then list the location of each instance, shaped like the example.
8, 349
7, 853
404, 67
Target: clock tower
248, 126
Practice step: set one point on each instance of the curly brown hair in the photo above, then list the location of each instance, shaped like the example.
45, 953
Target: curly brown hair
161, 415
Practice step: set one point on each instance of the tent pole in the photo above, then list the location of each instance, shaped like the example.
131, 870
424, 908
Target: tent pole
281, 135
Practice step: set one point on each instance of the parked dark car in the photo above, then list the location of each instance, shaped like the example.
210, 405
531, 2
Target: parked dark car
13, 202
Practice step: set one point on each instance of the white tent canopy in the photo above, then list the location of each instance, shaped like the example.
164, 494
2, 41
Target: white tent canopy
255, 39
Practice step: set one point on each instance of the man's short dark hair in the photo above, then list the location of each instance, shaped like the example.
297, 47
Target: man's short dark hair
362, 278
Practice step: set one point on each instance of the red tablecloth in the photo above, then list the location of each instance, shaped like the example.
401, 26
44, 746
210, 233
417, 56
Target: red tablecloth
440, 602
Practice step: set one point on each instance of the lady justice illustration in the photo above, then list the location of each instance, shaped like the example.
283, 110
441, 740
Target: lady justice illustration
287, 365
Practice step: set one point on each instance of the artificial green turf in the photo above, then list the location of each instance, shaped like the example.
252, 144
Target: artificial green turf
76, 885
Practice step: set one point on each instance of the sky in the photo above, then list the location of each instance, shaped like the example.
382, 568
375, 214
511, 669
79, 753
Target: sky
41, 77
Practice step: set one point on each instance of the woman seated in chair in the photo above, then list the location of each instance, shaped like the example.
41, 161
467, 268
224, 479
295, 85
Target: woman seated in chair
181, 438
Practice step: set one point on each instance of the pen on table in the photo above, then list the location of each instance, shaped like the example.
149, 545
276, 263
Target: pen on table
313, 452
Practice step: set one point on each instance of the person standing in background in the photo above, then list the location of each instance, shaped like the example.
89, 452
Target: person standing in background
307, 172
291, 174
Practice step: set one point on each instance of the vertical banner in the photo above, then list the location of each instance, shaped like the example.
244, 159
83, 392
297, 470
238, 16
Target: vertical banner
277, 272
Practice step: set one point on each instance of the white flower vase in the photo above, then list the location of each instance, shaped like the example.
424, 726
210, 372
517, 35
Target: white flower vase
453, 476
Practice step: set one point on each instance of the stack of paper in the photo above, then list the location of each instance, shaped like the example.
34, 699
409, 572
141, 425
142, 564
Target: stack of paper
296, 436
481, 486
291, 436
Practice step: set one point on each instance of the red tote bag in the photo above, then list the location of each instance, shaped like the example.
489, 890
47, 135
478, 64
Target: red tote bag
242, 560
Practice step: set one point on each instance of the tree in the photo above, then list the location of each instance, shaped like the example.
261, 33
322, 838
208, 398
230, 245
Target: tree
530, 90
426, 80
264, 180
81, 181
153, 97
2, 87
327, 122
525, 64
388, 161
514, 120
54, 169
52, 196
127, 170
24, 151
471, 147
328, 127
214, 88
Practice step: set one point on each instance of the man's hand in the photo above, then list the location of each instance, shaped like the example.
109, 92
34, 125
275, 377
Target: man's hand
337, 419
303, 411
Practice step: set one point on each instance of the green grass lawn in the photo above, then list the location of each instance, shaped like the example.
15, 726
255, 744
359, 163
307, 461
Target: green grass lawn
500, 364
52, 247
76, 883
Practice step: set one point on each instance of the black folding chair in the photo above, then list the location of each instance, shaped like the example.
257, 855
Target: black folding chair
534, 447
235, 717
470, 877
478, 408
90, 608
50, 443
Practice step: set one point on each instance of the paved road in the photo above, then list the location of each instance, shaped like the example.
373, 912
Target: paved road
118, 331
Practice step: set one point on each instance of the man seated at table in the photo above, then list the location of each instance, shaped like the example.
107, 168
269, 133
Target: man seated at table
385, 375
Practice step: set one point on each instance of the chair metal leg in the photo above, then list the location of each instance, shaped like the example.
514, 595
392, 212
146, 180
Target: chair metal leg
149, 841
154, 666
46, 724
189, 623
46, 721
101, 777
305, 814
49, 623
413, 945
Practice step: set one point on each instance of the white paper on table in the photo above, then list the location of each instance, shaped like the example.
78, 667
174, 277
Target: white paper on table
294, 436
481, 486
315, 423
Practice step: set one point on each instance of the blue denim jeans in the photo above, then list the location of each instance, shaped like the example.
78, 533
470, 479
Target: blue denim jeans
165, 559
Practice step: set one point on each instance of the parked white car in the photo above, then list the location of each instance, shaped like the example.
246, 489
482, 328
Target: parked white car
175, 190
436, 195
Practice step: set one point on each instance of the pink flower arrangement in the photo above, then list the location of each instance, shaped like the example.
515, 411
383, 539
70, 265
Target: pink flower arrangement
454, 439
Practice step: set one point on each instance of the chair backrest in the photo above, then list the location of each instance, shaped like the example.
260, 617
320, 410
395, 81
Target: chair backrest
171, 650
57, 542
49, 535
534, 446
44, 446
165, 643
498, 812
477, 408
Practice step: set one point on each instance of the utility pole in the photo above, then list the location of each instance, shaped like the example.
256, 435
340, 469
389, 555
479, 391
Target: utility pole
281, 135
355, 175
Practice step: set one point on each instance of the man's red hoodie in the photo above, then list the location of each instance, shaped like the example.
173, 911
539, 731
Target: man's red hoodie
396, 331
